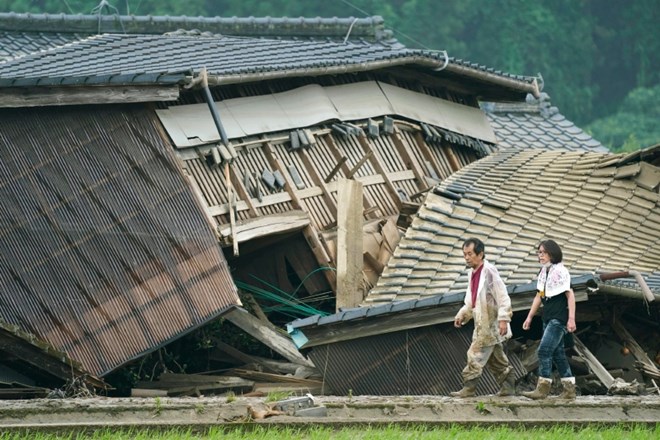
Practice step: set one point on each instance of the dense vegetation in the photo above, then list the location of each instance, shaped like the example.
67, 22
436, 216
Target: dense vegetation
598, 58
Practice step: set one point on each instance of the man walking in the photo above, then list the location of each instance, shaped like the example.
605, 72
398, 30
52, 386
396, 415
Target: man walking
487, 302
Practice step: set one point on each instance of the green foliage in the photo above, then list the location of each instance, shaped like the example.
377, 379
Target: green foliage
634, 125
591, 55
390, 432
276, 396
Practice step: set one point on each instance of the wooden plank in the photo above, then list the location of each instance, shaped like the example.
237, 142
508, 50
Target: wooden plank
313, 173
349, 245
336, 169
594, 365
358, 165
427, 154
142, 392
266, 225
273, 339
451, 157
78, 95
409, 158
334, 150
377, 162
239, 355
321, 254
646, 364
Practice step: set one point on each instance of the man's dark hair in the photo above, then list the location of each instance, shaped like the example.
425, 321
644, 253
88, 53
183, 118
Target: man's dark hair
479, 246
553, 250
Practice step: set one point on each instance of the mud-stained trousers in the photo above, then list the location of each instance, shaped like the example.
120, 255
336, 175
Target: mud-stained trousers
491, 356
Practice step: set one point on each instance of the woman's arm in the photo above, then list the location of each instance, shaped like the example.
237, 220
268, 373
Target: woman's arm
570, 325
532, 311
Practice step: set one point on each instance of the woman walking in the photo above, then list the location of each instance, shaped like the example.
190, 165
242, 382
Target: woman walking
555, 293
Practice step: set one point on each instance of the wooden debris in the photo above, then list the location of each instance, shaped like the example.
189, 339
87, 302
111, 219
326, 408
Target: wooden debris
644, 363
594, 365
280, 343
195, 384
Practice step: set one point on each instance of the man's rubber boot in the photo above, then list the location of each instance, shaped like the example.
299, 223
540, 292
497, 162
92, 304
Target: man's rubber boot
468, 390
509, 385
542, 389
569, 388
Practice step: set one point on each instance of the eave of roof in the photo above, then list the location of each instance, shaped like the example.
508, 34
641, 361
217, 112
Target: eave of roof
371, 28
168, 59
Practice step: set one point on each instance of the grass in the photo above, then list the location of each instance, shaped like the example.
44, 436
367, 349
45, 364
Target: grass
392, 432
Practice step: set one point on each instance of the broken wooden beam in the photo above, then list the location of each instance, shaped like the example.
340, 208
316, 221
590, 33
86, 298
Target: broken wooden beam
271, 338
594, 364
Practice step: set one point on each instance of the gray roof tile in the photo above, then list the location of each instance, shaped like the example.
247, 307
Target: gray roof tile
603, 223
535, 124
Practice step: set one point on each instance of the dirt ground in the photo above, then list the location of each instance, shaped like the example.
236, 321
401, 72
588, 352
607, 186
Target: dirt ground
212, 411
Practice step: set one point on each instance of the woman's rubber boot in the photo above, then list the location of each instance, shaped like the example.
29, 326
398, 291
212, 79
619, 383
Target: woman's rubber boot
542, 389
468, 390
509, 385
569, 388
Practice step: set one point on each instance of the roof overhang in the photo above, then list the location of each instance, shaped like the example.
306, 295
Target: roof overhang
27, 96
402, 315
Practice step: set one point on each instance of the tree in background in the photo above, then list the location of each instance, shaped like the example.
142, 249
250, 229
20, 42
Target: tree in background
590, 53
634, 125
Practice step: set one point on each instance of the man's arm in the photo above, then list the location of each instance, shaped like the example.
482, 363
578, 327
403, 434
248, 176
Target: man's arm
463, 316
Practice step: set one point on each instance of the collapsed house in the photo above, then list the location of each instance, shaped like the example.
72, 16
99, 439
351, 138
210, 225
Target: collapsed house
602, 208
267, 139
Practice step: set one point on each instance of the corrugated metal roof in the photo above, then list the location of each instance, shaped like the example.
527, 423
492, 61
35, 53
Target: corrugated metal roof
105, 252
605, 221
422, 361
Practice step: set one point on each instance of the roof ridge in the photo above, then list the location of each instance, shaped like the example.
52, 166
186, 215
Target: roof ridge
373, 26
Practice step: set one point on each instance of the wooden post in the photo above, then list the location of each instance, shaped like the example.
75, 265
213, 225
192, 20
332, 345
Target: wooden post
349, 244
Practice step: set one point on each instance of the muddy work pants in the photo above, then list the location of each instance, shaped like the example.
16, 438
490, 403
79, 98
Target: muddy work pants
492, 357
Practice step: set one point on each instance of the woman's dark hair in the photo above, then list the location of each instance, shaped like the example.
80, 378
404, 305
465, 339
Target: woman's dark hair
553, 250
478, 245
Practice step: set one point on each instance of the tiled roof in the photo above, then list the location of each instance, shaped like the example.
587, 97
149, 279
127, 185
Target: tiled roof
322, 43
601, 208
138, 58
388, 308
537, 124
22, 34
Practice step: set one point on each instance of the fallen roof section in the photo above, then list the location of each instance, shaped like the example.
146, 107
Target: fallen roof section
104, 250
604, 215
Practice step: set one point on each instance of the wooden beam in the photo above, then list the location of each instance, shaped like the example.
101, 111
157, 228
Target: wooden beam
267, 225
647, 365
80, 95
273, 339
409, 159
349, 245
336, 169
321, 254
239, 355
428, 155
312, 170
358, 165
380, 168
594, 365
